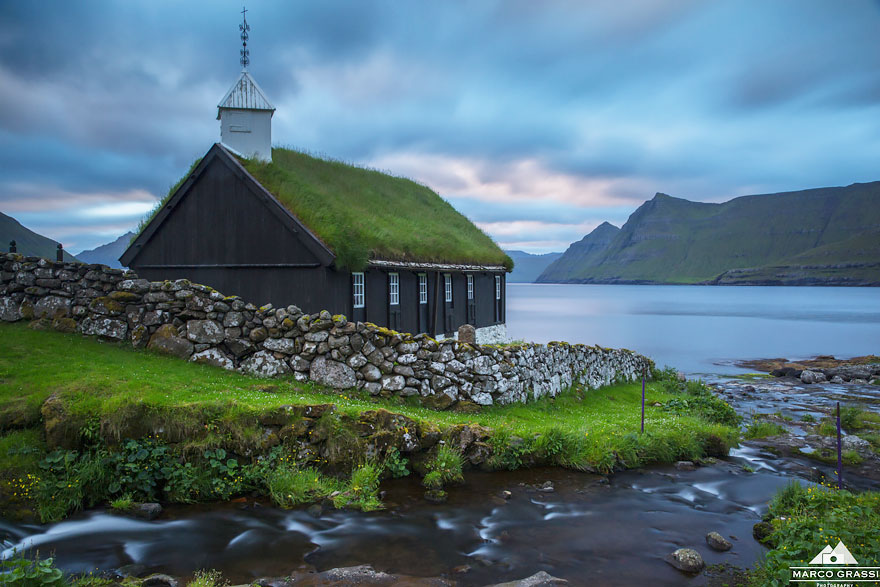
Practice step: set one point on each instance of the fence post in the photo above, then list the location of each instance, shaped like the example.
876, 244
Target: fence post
59, 254
12, 247
644, 374
839, 456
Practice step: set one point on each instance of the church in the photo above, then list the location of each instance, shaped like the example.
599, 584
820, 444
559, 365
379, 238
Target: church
283, 227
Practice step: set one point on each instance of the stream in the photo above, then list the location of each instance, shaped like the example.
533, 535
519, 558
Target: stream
612, 530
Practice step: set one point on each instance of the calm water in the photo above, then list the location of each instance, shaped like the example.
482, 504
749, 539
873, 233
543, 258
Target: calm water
700, 329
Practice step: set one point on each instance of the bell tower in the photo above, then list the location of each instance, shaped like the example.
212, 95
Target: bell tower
245, 114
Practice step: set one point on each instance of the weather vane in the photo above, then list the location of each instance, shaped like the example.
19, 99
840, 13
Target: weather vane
244, 28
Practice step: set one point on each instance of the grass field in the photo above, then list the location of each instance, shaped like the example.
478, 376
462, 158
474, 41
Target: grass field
105, 386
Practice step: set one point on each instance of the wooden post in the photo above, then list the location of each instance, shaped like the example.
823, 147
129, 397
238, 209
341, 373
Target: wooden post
644, 374
59, 254
434, 304
839, 456
12, 247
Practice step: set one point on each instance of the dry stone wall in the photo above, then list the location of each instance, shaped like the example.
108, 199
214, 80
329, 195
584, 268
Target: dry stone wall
196, 323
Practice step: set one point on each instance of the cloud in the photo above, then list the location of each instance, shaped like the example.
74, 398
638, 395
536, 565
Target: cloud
558, 113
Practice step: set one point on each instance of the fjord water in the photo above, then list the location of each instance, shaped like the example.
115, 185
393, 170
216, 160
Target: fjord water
700, 329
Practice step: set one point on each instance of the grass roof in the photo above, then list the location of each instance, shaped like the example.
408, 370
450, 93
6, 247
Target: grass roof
364, 214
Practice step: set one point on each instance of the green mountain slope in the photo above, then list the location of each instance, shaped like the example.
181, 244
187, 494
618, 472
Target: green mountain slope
527, 267
584, 253
28, 242
819, 236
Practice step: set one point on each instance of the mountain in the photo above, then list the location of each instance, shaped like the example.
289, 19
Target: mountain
527, 267
823, 236
28, 242
585, 252
109, 253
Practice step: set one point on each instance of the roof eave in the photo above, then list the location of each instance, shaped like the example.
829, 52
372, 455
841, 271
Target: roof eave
430, 266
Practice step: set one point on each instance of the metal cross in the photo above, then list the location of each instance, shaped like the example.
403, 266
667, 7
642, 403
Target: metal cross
244, 28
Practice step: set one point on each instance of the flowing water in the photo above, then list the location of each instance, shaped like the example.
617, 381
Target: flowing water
590, 529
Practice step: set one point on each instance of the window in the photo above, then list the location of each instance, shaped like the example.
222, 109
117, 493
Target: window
357, 282
470, 282
423, 288
497, 287
393, 289
447, 280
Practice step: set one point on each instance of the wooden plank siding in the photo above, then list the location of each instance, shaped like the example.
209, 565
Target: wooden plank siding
223, 230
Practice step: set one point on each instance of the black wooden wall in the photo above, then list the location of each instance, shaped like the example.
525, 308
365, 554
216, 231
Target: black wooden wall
226, 234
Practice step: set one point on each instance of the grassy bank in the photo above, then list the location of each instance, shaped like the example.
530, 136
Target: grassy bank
802, 521
79, 412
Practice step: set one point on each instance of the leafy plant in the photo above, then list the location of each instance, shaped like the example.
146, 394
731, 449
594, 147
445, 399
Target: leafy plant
395, 464
806, 519
225, 474
20, 571
138, 467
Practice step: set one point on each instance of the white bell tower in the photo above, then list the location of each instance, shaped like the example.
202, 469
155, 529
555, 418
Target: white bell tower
245, 114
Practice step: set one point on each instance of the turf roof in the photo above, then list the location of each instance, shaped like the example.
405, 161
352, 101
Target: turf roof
364, 214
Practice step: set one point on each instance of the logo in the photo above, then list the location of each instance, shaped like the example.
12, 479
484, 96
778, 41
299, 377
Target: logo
840, 555
833, 566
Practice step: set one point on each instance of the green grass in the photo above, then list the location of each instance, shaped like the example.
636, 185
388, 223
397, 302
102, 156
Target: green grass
290, 485
109, 392
122, 504
99, 379
365, 214
807, 519
207, 578
763, 429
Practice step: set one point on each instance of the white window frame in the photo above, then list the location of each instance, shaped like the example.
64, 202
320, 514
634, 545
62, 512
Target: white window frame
423, 288
393, 289
447, 287
497, 287
359, 294
470, 287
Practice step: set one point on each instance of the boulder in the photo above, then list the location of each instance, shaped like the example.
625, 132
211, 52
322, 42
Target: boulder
213, 357
9, 310
52, 307
264, 364
238, 346
686, 560
371, 372
393, 382
539, 579
332, 373
853, 442
718, 542
685, 466
467, 334
146, 511
280, 345
165, 340
105, 327
204, 331
811, 377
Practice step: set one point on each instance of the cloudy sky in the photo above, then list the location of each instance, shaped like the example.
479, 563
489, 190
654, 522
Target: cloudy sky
538, 120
